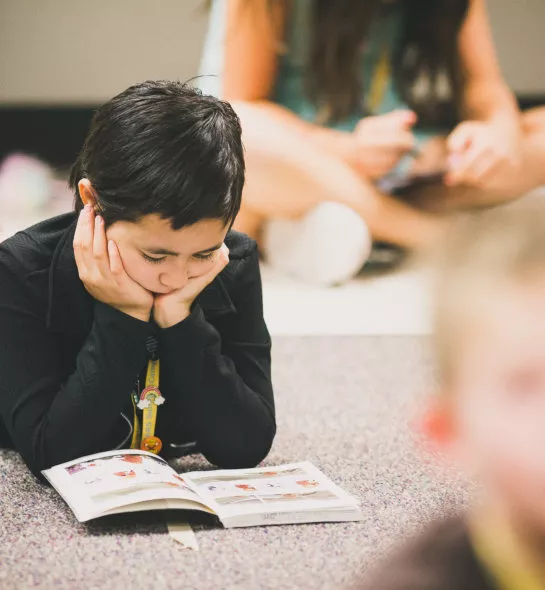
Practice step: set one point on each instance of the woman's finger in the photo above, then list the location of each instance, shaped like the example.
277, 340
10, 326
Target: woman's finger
479, 156
474, 167
405, 141
382, 161
398, 141
399, 119
461, 165
485, 168
461, 138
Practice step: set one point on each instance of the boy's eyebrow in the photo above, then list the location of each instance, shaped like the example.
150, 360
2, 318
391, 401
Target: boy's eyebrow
163, 252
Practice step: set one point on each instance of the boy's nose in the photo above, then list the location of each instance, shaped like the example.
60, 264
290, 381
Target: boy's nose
174, 282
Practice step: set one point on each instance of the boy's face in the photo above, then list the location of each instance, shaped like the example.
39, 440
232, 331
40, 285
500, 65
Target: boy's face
498, 400
163, 260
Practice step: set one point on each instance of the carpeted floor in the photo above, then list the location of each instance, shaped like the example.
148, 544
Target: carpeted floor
344, 403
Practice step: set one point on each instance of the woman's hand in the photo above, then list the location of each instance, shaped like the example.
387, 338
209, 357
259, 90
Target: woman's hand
482, 155
101, 269
171, 309
381, 141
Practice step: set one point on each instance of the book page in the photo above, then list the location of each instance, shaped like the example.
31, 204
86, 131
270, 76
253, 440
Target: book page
288, 488
101, 483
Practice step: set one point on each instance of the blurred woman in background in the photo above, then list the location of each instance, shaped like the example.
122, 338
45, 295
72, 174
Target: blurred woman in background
342, 101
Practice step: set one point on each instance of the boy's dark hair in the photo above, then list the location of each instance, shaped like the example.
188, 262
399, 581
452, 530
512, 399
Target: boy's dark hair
162, 147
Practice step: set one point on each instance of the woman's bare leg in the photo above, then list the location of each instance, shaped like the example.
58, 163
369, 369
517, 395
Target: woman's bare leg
288, 175
533, 125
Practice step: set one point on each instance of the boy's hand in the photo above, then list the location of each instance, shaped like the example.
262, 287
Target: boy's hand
480, 153
381, 141
171, 309
101, 269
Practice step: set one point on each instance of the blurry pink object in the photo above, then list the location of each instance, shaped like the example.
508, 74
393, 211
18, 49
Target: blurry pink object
27, 186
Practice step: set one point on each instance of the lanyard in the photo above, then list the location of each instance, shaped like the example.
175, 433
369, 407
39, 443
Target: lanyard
503, 562
380, 81
143, 436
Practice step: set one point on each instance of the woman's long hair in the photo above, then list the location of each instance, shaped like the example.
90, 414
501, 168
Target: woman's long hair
426, 66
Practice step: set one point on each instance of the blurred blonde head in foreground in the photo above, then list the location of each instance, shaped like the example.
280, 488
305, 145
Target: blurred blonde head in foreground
489, 414
490, 345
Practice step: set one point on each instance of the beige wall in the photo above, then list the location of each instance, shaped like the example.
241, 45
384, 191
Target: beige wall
519, 31
84, 51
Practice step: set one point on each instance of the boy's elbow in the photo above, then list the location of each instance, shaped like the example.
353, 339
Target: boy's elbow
36, 466
40, 457
244, 454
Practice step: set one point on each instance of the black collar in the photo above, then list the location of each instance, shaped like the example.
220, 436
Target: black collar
70, 307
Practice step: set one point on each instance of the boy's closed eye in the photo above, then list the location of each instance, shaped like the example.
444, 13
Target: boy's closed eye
160, 259
161, 255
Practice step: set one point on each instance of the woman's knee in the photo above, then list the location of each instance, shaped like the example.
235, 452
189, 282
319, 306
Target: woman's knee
328, 246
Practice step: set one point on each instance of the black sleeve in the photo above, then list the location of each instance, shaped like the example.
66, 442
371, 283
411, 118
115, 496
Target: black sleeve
222, 377
53, 418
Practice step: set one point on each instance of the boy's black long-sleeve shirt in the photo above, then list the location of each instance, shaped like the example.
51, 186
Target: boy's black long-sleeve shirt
68, 363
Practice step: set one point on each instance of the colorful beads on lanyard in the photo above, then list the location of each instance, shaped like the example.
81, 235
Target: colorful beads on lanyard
150, 398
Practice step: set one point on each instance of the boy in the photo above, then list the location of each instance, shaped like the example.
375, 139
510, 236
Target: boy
141, 296
490, 413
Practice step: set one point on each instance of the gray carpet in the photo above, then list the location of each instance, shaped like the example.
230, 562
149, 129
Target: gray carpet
344, 404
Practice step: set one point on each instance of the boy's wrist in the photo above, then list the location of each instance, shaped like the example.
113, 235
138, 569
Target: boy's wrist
166, 316
137, 313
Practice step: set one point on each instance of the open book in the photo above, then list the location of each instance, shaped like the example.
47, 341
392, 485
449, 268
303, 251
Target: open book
130, 481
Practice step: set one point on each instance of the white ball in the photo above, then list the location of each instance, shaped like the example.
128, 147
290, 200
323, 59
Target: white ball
328, 246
